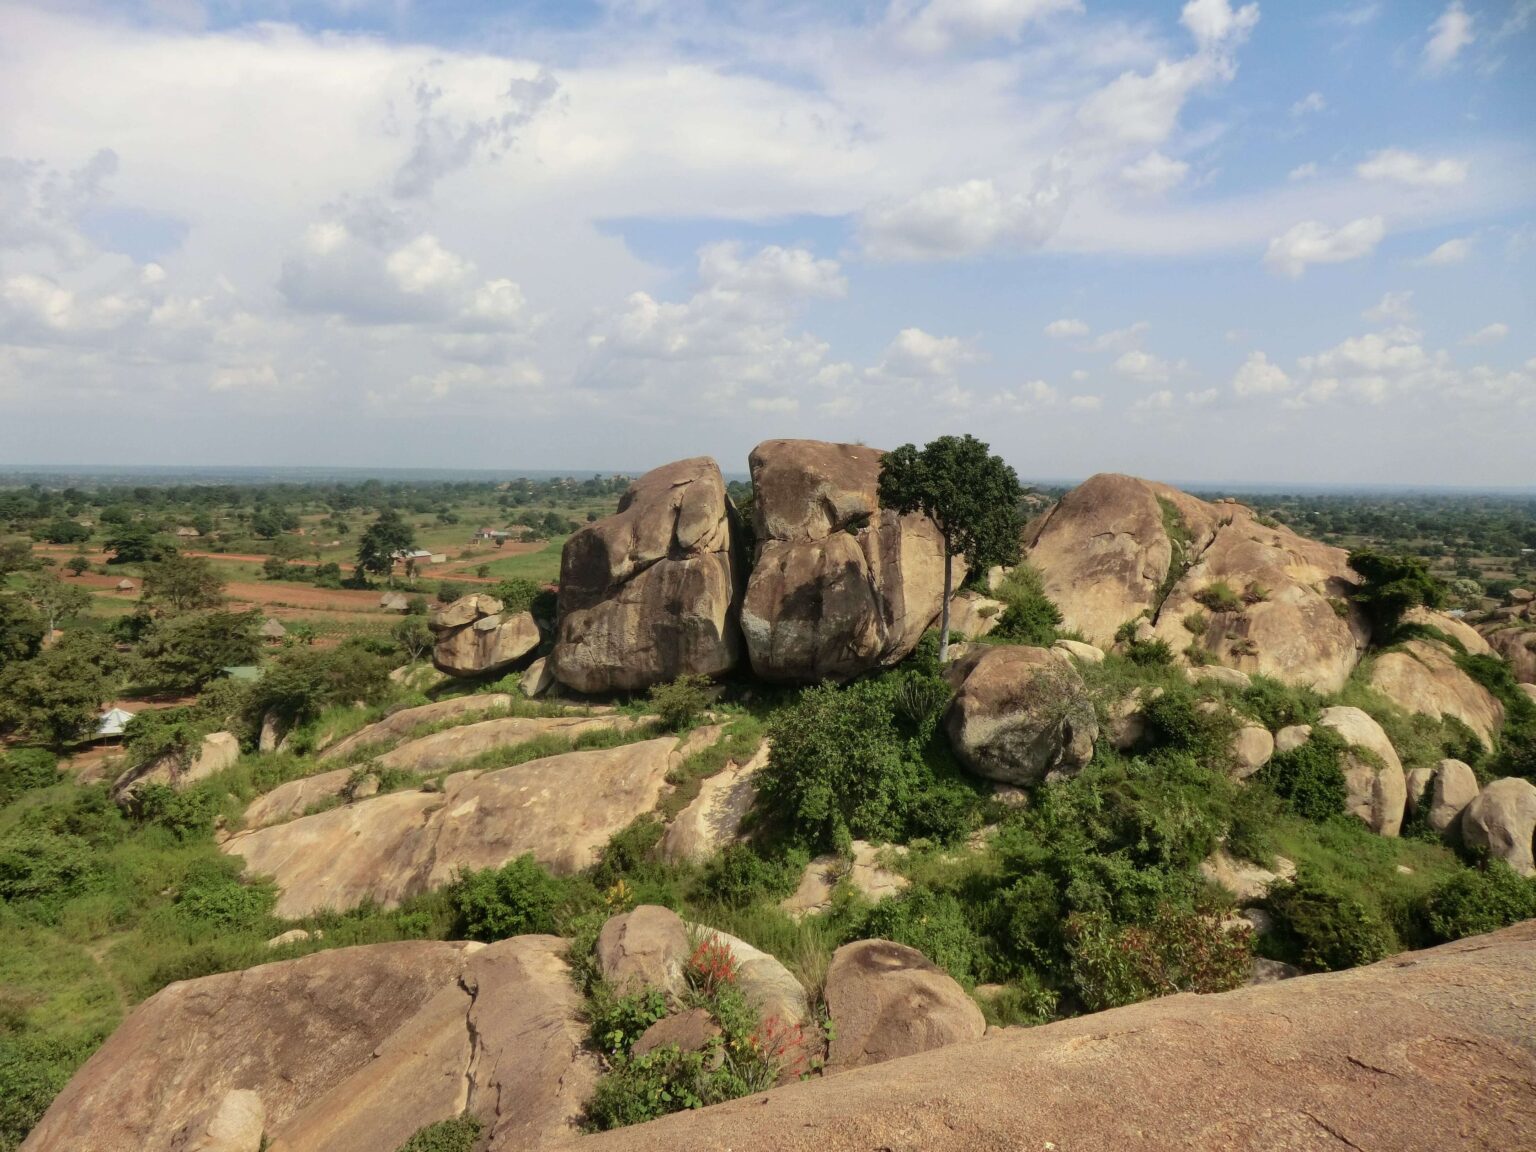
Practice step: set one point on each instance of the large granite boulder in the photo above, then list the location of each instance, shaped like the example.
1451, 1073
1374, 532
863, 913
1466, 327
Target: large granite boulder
1452, 787
1471, 640
887, 1000
1377, 787
1020, 714
350, 1050
1518, 647
839, 586
652, 592
561, 809
1502, 821
176, 770
1117, 548
474, 637
1422, 676
1425, 1051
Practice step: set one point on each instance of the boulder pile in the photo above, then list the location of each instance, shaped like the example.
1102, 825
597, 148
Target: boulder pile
1117, 549
652, 592
474, 637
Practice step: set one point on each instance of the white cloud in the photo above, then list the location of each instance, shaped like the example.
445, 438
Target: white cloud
1489, 334
1377, 365
1078, 375
1214, 22
1155, 173
1448, 35
1121, 338
1394, 307
965, 219
1066, 329
916, 355
1311, 102
1203, 398
1305, 171
1159, 401
941, 24
1314, 243
1404, 167
1451, 252
1257, 376
1086, 403
424, 266
1027, 397
1143, 366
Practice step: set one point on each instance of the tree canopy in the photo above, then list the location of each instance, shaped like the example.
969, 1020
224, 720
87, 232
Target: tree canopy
972, 495
382, 540
183, 584
1392, 584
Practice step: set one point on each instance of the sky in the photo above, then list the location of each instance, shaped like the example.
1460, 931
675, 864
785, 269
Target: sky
1203, 242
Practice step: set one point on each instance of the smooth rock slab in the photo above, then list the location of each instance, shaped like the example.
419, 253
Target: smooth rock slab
561, 809
398, 725
713, 820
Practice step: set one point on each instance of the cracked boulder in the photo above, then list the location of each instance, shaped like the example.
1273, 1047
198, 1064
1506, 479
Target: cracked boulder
350, 1050
1117, 548
474, 637
839, 586
651, 593
177, 770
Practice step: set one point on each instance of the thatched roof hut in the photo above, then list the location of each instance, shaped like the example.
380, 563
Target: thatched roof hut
273, 630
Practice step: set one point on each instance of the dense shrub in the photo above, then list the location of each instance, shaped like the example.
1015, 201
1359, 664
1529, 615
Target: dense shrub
1390, 585
212, 894
681, 702
1310, 778
44, 866
738, 876
1278, 705
1219, 597
457, 1135
1149, 653
937, 925
1475, 901
33, 1070
26, 769
1028, 616
448, 591
516, 899
1175, 721
1176, 950
1322, 929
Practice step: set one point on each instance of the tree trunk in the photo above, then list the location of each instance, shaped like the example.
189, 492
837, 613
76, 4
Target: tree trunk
944, 612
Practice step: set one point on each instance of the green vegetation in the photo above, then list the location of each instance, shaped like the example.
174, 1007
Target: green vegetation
972, 495
679, 704
1392, 584
1028, 615
458, 1135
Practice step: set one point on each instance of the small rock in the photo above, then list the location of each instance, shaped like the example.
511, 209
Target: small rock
1087, 653
292, 936
1289, 739
887, 1001
689, 1031
1216, 674
1252, 748
538, 679
1264, 971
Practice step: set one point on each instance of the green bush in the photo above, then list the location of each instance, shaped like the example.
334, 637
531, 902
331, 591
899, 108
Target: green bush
616, 1022
1278, 705
738, 876
681, 702
448, 591
1175, 721
1176, 950
44, 866
1219, 597
1028, 616
212, 894
1149, 653
1390, 585
25, 770
33, 1070
457, 1135
1310, 778
1481, 900
516, 899
937, 925
1322, 929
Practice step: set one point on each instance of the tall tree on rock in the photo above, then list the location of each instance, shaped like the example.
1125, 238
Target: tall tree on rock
972, 495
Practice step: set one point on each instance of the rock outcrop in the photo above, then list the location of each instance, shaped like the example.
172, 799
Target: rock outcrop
1502, 822
561, 809
214, 753
423, 756
1424, 1051
474, 637
1377, 787
1116, 548
351, 1050
864, 873
1422, 676
397, 725
1517, 645
887, 1000
1020, 714
839, 586
713, 820
652, 592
